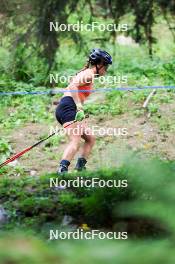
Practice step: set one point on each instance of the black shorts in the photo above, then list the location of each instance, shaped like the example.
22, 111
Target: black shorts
66, 110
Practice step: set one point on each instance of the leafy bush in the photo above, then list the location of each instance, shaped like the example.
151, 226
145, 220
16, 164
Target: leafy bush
31, 197
5, 149
145, 209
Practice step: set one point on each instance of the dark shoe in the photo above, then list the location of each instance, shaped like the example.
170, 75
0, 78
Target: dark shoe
63, 168
81, 162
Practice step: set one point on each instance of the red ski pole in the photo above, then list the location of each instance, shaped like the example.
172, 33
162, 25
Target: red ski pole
29, 148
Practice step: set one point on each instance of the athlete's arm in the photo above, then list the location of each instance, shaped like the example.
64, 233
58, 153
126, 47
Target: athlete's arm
73, 89
79, 80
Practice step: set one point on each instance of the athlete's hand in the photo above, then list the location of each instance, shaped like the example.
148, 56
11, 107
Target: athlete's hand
80, 115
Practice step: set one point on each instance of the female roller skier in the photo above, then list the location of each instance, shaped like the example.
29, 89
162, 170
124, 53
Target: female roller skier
69, 111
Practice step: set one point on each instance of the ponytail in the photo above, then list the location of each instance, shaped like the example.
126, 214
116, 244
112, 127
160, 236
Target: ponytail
85, 67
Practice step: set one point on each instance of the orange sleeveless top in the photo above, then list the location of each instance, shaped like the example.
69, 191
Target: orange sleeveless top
86, 92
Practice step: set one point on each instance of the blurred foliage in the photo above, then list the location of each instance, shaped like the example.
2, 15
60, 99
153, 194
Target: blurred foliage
145, 210
26, 248
33, 49
30, 198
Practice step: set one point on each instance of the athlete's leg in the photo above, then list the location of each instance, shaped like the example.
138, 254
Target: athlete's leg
74, 133
89, 141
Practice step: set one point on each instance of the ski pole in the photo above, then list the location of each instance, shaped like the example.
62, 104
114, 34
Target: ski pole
29, 148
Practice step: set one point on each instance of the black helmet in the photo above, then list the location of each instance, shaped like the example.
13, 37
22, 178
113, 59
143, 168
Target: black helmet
100, 56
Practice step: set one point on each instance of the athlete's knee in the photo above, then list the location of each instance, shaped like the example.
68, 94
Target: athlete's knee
75, 143
91, 140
